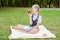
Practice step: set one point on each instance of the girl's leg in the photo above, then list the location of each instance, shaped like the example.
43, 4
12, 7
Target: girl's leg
28, 30
34, 31
17, 28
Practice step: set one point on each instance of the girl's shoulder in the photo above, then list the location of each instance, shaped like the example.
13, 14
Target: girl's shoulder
40, 15
30, 14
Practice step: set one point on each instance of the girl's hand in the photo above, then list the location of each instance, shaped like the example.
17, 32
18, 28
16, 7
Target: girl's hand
28, 12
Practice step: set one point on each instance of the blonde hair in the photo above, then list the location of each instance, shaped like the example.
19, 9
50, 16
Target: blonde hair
36, 6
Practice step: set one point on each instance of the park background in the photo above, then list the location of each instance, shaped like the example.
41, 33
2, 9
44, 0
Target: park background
13, 12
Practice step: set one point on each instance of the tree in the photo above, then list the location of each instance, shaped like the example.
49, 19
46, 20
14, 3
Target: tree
59, 3
0, 2
29, 3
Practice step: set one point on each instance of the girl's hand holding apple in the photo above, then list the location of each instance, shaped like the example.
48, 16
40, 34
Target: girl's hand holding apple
28, 12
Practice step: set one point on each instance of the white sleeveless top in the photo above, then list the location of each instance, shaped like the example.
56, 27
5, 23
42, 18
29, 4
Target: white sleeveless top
39, 19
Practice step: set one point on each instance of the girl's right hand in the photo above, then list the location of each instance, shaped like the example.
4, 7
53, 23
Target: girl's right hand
28, 11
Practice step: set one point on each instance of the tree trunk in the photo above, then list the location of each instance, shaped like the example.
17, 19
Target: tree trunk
59, 3
2, 4
50, 3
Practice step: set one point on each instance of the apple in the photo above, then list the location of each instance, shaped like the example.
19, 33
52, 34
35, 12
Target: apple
44, 34
28, 11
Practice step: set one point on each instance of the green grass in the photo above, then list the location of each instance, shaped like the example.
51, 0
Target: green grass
14, 16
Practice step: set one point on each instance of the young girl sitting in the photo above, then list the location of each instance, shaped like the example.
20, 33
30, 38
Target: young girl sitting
35, 20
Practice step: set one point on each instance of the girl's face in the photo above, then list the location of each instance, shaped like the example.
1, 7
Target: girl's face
34, 10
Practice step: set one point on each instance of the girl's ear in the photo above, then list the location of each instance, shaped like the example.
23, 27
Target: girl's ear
37, 9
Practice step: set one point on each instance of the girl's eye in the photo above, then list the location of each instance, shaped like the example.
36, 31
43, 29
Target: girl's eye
33, 8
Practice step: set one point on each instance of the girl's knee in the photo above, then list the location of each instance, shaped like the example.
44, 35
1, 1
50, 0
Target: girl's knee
33, 31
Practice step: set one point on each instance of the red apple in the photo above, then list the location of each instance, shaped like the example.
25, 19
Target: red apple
28, 11
44, 34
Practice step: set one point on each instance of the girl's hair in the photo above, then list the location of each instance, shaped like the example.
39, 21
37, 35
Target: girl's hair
36, 6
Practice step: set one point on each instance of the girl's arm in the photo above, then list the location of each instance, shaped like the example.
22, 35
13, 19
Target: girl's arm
39, 21
37, 26
30, 19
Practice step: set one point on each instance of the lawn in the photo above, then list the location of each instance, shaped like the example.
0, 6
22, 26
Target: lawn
14, 16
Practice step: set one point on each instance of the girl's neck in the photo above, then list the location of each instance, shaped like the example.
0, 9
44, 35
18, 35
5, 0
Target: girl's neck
36, 13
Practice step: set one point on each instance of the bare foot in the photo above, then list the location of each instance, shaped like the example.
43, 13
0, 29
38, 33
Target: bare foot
13, 27
17, 28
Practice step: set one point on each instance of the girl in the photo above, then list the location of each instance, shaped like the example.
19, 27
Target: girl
35, 20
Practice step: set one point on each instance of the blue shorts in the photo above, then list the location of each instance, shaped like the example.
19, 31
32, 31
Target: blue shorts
28, 27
